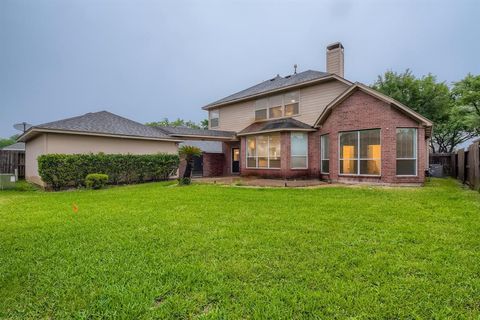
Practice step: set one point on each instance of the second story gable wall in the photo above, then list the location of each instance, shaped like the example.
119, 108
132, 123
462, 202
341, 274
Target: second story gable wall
313, 100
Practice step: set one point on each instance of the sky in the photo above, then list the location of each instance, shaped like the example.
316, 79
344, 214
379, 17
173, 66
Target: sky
147, 60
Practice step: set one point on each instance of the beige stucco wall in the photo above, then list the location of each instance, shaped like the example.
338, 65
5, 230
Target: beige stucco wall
71, 144
313, 100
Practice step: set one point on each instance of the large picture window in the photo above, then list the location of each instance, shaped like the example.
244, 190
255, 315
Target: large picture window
406, 152
299, 150
324, 154
263, 151
360, 152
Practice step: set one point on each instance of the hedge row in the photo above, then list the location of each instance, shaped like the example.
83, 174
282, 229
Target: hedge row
62, 170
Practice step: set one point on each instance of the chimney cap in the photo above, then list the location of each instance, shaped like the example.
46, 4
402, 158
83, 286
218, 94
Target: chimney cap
335, 45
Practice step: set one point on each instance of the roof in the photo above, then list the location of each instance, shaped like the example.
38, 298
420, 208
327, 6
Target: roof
99, 123
359, 86
277, 84
285, 124
19, 146
190, 132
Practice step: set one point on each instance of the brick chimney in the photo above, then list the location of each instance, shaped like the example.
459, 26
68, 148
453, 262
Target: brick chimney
335, 58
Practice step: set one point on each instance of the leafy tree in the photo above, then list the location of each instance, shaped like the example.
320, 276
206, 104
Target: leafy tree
8, 141
466, 93
176, 123
435, 101
204, 124
188, 153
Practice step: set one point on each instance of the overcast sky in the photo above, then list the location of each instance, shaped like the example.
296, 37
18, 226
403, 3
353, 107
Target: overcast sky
147, 60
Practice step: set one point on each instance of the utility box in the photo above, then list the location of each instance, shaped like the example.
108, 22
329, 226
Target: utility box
7, 181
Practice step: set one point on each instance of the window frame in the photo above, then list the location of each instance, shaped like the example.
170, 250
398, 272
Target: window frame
359, 158
268, 136
217, 111
415, 149
322, 155
298, 155
282, 106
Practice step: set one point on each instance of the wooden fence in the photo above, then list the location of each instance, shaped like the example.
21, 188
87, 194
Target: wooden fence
11, 160
466, 165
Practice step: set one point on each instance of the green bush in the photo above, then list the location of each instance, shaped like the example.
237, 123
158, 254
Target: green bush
61, 170
96, 180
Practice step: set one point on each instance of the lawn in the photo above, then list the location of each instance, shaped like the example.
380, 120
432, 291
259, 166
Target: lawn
205, 251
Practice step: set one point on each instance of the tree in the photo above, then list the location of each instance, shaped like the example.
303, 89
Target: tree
176, 123
466, 93
8, 141
434, 100
188, 153
204, 124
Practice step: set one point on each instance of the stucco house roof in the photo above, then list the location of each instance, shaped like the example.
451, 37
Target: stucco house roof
185, 132
18, 146
101, 123
277, 83
286, 124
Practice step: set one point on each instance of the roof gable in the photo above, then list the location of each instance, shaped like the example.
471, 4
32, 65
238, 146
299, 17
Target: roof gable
359, 86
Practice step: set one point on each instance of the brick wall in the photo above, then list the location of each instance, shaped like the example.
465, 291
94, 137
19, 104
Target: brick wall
362, 111
213, 164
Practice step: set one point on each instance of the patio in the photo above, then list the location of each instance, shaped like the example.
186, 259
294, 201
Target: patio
261, 182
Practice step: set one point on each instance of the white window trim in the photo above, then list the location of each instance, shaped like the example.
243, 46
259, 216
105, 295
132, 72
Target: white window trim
298, 155
415, 149
358, 159
218, 118
268, 107
322, 155
256, 156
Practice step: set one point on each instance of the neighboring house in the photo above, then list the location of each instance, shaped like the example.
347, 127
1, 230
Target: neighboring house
318, 124
18, 146
92, 133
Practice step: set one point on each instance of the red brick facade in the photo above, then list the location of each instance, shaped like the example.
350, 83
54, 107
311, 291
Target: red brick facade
363, 111
358, 112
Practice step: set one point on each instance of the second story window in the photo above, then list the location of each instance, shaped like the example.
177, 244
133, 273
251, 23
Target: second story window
261, 109
291, 103
284, 105
214, 116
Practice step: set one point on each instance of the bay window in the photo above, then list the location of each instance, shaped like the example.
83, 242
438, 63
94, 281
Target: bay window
214, 116
299, 150
360, 152
406, 151
263, 151
324, 154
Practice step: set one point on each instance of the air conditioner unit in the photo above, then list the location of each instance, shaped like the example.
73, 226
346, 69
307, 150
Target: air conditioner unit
7, 181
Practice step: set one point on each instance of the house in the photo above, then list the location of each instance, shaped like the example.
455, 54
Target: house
92, 133
309, 124
316, 124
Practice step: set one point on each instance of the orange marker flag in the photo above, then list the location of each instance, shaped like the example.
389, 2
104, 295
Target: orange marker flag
74, 207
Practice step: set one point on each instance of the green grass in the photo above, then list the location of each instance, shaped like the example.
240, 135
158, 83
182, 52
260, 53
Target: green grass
206, 251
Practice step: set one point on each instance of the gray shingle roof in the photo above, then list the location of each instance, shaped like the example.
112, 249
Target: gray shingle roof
19, 146
273, 84
106, 123
184, 131
287, 124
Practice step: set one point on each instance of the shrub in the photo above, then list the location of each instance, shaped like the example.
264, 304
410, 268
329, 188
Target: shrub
61, 170
96, 180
